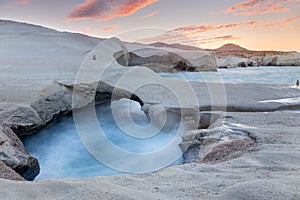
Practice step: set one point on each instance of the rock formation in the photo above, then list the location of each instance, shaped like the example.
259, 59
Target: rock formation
235, 56
166, 59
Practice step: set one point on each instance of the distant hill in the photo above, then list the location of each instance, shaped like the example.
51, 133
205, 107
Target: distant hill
231, 48
175, 45
225, 48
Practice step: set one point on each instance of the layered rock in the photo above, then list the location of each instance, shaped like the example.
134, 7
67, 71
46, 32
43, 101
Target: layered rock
15, 156
257, 58
220, 142
167, 59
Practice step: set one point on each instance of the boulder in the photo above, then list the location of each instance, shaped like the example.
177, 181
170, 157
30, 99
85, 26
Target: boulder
220, 142
22, 119
15, 156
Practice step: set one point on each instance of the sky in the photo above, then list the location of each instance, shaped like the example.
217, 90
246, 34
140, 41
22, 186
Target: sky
254, 24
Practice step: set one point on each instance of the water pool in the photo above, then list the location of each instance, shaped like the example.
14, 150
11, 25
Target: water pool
61, 153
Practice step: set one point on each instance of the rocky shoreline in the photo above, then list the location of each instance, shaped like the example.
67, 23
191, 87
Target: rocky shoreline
17, 121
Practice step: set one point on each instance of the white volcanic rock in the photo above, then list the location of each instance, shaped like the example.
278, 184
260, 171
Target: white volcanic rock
290, 60
250, 59
234, 61
15, 156
29, 45
164, 59
231, 55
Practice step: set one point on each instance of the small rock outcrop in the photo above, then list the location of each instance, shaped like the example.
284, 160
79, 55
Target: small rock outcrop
218, 143
182, 66
15, 156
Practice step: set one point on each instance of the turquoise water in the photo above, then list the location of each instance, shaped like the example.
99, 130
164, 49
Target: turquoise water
62, 155
264, 75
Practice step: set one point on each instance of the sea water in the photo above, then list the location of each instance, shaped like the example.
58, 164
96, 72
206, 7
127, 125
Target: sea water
262, 75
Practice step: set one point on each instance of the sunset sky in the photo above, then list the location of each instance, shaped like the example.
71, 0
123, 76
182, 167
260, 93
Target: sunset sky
254, 24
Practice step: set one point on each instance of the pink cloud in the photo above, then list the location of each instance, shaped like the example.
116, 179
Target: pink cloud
187, 39
190, 34
193, 34
254, 7
166, 37
286, 23
111, 28
151, 14
194, 29
106, 10
291, 20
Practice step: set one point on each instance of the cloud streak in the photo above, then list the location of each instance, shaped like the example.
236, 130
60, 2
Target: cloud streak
111, 28
106, 10
194, 34
151, 14
205, 28
222, 38
255, 7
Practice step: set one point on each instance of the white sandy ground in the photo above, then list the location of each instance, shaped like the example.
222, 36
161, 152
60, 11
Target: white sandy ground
272, 172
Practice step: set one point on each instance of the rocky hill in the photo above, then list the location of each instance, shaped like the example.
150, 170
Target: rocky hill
231, 48
175, 45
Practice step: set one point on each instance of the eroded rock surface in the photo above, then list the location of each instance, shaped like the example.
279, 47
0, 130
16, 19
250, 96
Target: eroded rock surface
7, 173
259, 58
15, 156
167, 59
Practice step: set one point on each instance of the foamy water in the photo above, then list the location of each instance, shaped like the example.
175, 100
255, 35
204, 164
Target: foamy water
61, 153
